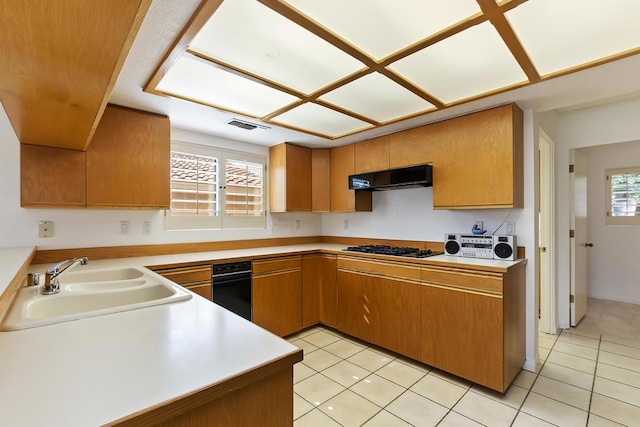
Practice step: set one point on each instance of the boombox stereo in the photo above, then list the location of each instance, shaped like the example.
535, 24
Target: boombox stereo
479, 246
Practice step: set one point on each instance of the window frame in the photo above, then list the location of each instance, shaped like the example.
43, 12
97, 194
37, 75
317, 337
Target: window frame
219, 221
609, 218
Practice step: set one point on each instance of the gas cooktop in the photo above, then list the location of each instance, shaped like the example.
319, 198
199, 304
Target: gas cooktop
393, 250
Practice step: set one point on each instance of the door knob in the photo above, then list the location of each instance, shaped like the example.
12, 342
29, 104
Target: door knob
589, 245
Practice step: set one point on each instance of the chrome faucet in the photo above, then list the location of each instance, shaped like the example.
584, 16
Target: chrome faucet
51, 284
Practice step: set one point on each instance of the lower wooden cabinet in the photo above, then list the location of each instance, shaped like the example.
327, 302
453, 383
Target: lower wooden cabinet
196, 278
277, 294
354, 309
319, 295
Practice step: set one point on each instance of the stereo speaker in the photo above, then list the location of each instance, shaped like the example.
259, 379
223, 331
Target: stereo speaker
452, 244
505, 247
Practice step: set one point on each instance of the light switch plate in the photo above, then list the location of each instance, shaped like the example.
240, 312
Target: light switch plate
45, 229
146, 227
510, 227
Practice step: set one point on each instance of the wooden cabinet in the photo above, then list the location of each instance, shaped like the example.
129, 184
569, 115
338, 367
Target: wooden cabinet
416, 146
379, 302
52, 177
289, 178
128, 161
277, 294
473, 323
196, 278
343, 199
319, 295
481, 163
372, 155
321, 180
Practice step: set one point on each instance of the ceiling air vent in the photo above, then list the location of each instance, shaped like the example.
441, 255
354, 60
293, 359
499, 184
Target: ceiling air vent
246, 125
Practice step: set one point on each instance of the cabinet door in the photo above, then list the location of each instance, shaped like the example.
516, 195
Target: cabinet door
462, 334
321, 180
415, 146
52, 177
481, 164
343, 199
277, 301
319, 295
372, 155
289, 178
202, 289
128, 160
396, 311
354, 305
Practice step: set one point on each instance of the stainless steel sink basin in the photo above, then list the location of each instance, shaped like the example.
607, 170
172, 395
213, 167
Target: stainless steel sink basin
92, 293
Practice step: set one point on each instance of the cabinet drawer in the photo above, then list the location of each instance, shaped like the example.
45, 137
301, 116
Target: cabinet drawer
383, 268
202, 289
277, 264
488, 282
187, 275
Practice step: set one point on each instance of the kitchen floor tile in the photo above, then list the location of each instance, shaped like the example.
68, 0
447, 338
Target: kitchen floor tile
370, 360
317, 389
315, 418
300, 406
615, 410
453, 419
440, 391
616, 390
546, 341
620, 349
301, 372
563, 392
596, 421
345, 373
553, 411
310, 331
618, 337
343, 348
400, 373
378, 390
526, 420
567, 375
576, 350
619, 361
417, 410
386, 419
543, 353
320, 360
321, 338
414, 364
574, 362
579, 340
513, 397
451, 378
349, 409
620, 375
485, 411
306, 347
525, 379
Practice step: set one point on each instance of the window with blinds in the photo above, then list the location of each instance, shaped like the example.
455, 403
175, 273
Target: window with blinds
623, 199
212, 189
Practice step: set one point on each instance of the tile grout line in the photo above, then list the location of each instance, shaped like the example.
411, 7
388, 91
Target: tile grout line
593, 384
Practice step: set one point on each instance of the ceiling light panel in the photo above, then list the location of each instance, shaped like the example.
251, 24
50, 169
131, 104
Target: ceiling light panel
467, 64
321, 120
377, 97
193, 79
379, 27
252, 37
562, 34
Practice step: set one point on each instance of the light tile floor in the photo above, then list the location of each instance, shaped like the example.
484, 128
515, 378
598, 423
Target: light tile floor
590, 376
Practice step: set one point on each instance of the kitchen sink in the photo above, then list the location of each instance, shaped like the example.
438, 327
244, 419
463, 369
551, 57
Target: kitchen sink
91, 293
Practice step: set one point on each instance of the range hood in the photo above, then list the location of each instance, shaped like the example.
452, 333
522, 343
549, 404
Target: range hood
411, 177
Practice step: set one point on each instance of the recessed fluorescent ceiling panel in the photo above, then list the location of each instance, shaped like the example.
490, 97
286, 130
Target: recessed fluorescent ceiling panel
320, 120
470, 63
380, 27
378, 98
192, 79
251, 37
562, 34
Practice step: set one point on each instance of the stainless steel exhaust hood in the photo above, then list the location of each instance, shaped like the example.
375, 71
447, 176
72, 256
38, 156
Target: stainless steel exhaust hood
410, 177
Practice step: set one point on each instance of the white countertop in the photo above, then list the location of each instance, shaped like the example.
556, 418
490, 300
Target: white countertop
96, 370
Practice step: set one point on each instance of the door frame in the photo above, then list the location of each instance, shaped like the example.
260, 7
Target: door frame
546, 235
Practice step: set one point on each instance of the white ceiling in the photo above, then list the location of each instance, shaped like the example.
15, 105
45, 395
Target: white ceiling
166, 18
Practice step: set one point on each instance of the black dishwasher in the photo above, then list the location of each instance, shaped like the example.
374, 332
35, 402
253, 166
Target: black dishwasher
232, 287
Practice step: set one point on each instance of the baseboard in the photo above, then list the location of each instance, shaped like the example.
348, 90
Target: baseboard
530, 365
618, 298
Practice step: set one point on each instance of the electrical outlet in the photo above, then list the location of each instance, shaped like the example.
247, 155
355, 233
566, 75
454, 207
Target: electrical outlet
346, 224
146, 227
510, 227
297, 224
478, 223
45, 229
124, 227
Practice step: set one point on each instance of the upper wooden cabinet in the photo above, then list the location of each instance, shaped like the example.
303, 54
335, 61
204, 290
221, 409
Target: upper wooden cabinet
128, 161
60, 62
289, 178
372, 155
415, 146
321, 180
343, 199
480, 163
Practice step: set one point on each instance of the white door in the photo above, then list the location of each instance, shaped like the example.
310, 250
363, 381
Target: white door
578, 180
546, 240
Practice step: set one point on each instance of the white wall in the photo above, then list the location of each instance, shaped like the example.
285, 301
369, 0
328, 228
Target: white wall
91, 228
606, 124
612, 271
